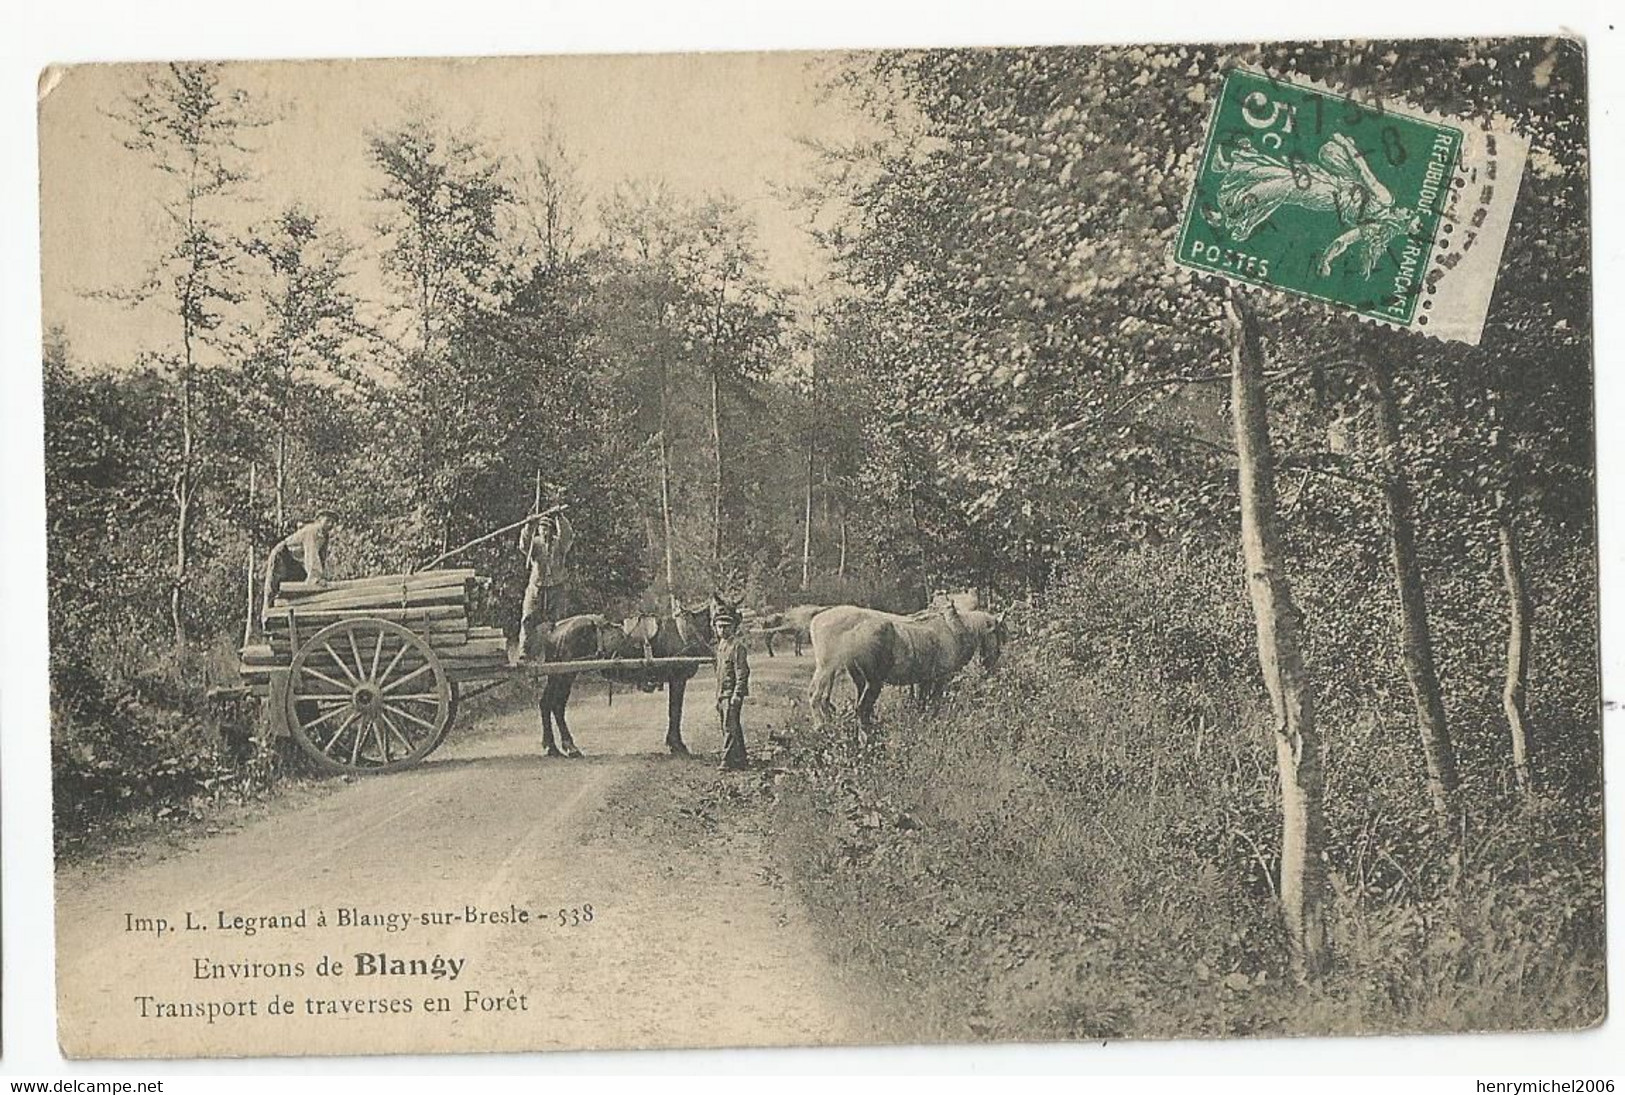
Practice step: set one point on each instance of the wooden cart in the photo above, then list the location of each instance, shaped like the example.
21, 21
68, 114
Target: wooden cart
366, 674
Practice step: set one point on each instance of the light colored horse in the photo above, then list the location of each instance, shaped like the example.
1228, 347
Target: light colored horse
795, 622
878, 648
966, 600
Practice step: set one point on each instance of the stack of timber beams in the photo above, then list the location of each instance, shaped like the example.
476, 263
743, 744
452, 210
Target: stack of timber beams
432, 604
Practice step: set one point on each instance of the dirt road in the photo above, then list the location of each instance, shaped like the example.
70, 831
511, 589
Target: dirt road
622, 900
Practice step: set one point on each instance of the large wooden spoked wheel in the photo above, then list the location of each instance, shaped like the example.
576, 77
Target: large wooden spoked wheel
368, 696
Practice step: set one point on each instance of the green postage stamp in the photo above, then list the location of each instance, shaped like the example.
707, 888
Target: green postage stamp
1391, 212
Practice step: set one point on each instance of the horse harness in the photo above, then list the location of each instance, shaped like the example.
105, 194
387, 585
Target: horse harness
645, 627
695, 640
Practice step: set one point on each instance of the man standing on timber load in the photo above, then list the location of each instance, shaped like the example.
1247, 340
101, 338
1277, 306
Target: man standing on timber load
733, 683
546, 542
301, 557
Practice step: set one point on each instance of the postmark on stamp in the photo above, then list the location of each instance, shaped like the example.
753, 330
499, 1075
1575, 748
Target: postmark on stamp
1390, 212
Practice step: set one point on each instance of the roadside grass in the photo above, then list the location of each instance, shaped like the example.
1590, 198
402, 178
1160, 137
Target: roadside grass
1053, 896
1083, 846
138, 747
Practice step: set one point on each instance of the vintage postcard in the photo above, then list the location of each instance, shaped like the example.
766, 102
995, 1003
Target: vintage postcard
1022, 544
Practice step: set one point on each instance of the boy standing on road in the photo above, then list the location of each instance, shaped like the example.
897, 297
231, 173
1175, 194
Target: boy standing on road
733, 683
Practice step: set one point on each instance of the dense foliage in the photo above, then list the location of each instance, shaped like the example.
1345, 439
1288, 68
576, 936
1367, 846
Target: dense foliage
511, 352
1050, 422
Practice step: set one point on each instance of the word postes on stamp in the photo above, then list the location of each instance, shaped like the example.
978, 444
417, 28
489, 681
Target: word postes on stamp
1395, 214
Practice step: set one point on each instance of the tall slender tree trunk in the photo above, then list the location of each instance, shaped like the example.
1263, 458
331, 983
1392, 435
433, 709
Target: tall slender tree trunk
840, 567
185, 476
284, 414
1520, 606
716, 432
424, 275
812, 446
1298, 748
665, 517
807, 519
665, 476
253, 605
717, 483
1520, 613
281, 480
1416, 641
183, 506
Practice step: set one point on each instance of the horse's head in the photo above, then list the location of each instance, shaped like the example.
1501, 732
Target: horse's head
694, 626
725, 614
721, 605
965, 600
990, 641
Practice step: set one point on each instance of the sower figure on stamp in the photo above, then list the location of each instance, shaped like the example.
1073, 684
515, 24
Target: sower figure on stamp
733, 683
546, 542
300, 557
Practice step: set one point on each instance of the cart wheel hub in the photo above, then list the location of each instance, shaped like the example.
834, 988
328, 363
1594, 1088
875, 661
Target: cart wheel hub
368, 698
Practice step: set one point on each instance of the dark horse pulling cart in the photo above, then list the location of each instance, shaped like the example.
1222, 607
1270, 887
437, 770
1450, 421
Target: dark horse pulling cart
366, 674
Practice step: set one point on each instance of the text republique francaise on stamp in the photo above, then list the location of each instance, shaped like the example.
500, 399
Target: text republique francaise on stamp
1361, 204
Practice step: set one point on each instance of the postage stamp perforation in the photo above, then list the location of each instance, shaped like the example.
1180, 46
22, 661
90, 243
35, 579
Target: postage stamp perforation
1286, 298
1297, 192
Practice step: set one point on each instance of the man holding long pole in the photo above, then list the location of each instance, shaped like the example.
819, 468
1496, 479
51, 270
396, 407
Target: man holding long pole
546, 540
